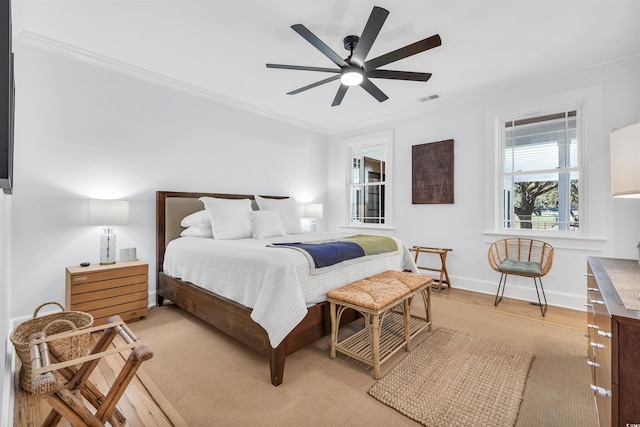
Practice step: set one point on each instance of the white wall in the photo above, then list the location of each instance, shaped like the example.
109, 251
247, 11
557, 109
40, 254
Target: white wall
85, 132
460, 225
6, 348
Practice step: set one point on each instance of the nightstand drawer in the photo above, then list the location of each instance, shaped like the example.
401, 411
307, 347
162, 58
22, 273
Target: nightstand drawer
84, 276
99, 294
84, 287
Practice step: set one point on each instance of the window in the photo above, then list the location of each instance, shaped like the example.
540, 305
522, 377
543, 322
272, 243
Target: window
369, 180
541, 171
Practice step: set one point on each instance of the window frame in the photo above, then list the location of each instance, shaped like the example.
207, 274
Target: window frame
502, 174
375, 138
592, 230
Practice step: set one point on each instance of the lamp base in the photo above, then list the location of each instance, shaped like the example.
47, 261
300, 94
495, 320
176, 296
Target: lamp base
108, 247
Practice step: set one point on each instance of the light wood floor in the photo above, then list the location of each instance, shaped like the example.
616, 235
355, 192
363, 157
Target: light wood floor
141, 410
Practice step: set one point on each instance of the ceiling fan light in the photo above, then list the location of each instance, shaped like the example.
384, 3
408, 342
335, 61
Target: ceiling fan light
351, 78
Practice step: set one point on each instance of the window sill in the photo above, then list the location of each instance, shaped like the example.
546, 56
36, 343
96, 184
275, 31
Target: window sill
369, 226
558, 241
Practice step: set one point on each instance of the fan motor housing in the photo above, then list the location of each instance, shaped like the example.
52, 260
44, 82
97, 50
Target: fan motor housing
350, 42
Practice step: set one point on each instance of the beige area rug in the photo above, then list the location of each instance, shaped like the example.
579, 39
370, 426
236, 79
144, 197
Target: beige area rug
211, 380
456, 379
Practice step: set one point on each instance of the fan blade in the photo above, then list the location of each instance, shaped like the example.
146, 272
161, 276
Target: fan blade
303, 68
403, 52
373, 90
339, 95
399, 75
312, 85
319, 44
369, 34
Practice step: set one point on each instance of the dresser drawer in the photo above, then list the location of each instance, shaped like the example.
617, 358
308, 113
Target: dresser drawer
614, 340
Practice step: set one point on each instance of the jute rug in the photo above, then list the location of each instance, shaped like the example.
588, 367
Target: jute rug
456, 379
211, 380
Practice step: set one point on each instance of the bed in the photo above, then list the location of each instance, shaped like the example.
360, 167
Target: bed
249, 319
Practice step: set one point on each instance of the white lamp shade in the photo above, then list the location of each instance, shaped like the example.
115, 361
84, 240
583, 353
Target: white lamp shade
313, 210
625, 161
108, 212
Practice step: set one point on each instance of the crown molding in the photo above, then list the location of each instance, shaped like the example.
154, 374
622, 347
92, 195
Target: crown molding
463, 98
56, 47
38, 41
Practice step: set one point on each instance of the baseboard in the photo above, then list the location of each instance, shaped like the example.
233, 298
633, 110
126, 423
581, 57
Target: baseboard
521, 292
8, 390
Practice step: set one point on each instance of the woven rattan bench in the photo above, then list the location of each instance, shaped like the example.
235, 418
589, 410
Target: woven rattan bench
384, 300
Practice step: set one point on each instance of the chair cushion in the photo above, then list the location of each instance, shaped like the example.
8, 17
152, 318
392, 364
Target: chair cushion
520, 267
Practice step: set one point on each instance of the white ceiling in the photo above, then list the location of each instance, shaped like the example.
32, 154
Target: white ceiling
222, 46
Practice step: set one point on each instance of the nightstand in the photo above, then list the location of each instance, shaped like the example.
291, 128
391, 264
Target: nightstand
107, 290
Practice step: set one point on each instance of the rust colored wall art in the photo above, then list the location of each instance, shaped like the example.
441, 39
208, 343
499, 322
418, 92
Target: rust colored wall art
432, 173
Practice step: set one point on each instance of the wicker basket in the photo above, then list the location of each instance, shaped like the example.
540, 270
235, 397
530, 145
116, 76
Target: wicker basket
55, 323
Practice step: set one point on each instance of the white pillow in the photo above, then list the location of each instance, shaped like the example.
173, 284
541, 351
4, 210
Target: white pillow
288, 212
266, 224
197, 219
197, 231
229, 217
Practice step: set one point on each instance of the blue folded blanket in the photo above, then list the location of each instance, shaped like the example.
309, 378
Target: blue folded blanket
328, 253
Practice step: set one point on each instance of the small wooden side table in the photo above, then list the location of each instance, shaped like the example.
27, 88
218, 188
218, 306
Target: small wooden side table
107, 290
442, 252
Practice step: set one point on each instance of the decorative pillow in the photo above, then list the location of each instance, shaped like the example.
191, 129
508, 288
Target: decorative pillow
229, 217
288, 212
197, 219
198, 231
266, 224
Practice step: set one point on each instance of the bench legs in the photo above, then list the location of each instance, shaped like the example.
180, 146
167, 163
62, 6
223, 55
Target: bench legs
365, 344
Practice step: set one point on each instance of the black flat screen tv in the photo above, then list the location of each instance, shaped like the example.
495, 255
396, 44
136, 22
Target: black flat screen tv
7, 97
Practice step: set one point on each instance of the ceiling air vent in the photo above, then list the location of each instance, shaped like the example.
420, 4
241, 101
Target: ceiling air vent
429, 98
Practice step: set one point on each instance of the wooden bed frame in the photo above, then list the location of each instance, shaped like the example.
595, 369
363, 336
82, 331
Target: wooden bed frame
228, 316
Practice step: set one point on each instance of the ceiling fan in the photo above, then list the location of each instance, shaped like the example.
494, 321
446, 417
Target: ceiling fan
355, 70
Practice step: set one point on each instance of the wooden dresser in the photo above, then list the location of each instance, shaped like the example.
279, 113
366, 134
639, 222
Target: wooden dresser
106, 290
613, 340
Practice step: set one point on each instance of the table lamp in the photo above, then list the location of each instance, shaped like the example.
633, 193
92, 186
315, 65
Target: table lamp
313, 211
107, 213
625, 158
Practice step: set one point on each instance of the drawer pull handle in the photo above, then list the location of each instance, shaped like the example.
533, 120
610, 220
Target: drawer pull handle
596, 301
602, 391
590, 326
589, 274
597, 345
605, 334
587, 335
80, 278
594, 364
588, 305
593, 289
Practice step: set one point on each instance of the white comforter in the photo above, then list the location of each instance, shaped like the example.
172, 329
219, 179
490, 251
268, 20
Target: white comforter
275, 282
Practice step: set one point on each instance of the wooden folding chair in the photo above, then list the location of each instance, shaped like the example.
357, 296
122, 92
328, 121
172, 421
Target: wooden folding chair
65, 391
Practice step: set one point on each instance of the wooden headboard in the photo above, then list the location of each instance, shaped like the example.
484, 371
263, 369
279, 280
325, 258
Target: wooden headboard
173, 206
